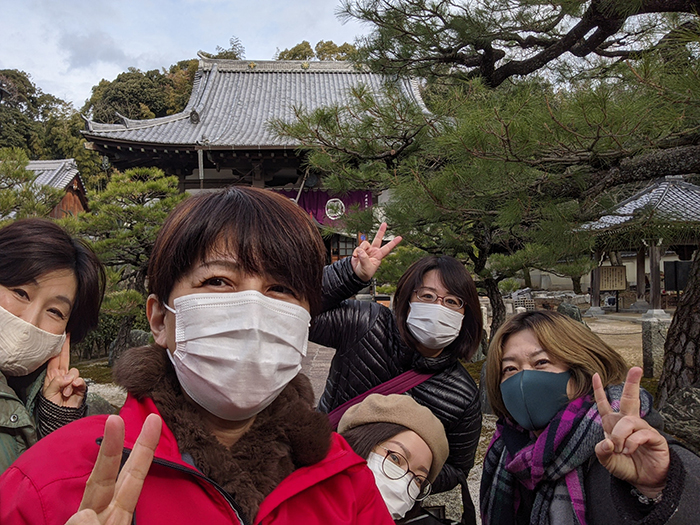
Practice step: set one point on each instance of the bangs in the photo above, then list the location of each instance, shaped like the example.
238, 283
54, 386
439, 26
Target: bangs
266, 233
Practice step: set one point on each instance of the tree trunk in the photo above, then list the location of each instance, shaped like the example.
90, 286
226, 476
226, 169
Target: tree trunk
682, 349
576, 282
527, 277
615, 259
497, 305
123, 339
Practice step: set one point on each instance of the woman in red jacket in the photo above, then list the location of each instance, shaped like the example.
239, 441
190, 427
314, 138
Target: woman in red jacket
233, 279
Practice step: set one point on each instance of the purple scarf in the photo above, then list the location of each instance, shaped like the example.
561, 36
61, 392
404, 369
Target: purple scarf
551, 466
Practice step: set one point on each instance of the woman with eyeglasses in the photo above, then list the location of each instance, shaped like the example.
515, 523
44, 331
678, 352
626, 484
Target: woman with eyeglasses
404, 444
435, 322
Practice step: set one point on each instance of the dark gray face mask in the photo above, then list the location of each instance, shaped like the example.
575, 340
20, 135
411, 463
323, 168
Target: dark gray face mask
533, 397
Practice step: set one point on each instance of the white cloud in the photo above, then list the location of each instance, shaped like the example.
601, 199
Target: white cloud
69, 46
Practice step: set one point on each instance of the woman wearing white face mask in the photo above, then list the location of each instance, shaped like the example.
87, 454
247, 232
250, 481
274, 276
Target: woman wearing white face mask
51, 287
404, 444
233, 277
436, 321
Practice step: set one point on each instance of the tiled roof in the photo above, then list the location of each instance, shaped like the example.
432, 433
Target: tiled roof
667, 200
233, 100
54, 173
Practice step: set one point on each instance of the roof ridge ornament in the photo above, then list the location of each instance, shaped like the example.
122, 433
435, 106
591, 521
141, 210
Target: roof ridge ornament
125, 120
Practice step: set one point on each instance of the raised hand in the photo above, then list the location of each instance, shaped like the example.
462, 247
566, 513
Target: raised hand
111, 499
63, 386
367, 257
632, 449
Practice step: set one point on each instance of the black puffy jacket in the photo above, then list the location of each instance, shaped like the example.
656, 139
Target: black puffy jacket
370, 351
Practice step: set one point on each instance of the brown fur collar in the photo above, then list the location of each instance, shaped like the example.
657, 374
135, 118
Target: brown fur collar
285, 436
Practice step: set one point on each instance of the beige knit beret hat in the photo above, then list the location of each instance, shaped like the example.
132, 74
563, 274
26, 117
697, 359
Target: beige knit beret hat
402, 410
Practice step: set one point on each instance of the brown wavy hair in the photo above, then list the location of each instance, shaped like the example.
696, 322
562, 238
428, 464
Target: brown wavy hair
563, 339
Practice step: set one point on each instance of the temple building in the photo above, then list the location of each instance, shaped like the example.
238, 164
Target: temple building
223, 137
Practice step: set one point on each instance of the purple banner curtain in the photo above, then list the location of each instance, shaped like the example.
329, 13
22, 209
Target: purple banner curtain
314, 201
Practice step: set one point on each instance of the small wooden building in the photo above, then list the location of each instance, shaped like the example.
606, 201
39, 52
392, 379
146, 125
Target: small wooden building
665, 214
61, 174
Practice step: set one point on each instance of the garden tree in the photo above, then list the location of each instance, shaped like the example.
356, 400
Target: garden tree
235, 51
133, 94
494, 40
682, 349
122, 223
328, 50
20, 196
61, 139
142, 95
533, 152
24, 111
182, 76
395, 265
301, 51
324, 50
452, 189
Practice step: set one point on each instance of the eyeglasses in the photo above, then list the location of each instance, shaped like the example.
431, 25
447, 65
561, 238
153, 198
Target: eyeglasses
395, 466
427, 295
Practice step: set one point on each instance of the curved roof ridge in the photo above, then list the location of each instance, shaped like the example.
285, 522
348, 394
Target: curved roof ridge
670, 199
281, 66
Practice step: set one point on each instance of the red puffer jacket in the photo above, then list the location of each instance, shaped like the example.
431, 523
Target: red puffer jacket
45, 485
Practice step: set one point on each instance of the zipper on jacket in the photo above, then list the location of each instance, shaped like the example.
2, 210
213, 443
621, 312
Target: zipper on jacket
234, 506
229, 499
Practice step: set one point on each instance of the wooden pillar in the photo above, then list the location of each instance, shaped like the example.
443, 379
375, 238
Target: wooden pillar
595, 282
641, 273
655, 275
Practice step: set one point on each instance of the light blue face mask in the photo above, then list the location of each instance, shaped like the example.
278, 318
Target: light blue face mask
533, 397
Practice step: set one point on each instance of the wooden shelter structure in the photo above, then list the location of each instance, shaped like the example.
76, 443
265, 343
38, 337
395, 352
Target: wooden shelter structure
665, 214
61, 174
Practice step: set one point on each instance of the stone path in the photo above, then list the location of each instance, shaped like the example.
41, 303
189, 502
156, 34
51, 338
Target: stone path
315, 366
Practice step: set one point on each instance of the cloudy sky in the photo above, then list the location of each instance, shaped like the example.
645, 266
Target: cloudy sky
68, 46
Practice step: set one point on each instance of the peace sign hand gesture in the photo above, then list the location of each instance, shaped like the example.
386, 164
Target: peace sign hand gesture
367, 257
63, 385
632, 450
109, 499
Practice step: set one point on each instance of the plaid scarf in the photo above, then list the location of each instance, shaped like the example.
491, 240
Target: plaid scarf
551, 465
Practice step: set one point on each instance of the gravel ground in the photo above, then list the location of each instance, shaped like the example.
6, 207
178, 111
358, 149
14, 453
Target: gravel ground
452, 500
114, 394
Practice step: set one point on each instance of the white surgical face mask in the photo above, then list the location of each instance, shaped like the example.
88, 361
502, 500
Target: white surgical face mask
235, 352
25, 347
394, 491
433, 325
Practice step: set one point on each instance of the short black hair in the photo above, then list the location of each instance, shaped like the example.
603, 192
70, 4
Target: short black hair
268, 233
30, 248
457, 280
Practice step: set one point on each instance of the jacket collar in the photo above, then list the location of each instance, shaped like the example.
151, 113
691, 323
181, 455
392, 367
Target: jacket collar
286, 436
134, 413
433, 364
